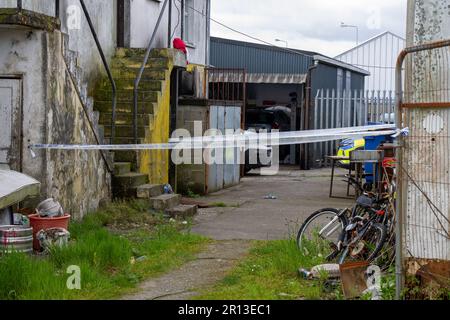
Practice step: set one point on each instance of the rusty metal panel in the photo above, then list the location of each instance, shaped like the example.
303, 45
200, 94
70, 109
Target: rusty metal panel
426, 157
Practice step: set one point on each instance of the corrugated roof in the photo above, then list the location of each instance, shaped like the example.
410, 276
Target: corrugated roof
256, 58
260, 59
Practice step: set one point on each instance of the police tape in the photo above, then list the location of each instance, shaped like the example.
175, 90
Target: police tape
242, 139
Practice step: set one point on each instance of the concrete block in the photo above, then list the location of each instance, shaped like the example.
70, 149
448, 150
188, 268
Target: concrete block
182, 211
121, 168
148, 191
165, 201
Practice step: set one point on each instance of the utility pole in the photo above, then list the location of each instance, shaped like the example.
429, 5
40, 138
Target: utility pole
343, 25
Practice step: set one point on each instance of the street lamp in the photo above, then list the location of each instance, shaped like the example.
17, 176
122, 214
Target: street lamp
343, 25
279, 40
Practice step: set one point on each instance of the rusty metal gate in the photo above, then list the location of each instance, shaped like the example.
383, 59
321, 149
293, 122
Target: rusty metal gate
423, 105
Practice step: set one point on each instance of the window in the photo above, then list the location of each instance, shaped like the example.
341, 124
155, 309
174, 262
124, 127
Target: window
189, 19
340, 81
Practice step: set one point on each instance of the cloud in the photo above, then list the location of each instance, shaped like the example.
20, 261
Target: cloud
309, 24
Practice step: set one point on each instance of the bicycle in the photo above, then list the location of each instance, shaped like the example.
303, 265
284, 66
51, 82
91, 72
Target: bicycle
358, 233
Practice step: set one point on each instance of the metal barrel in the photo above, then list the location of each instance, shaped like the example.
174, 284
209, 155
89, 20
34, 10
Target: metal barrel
16, 239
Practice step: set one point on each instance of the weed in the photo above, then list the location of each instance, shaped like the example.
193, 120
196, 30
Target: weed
269, 272
104, 256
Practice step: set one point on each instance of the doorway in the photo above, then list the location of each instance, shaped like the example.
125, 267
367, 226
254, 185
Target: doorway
10, 123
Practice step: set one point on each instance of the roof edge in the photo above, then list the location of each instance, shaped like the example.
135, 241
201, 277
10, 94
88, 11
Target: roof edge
344, 65
370, 40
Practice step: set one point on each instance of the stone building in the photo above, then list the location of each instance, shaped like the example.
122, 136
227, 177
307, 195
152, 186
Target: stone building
54, 90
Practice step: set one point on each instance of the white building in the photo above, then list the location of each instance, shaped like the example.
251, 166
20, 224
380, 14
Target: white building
378, 55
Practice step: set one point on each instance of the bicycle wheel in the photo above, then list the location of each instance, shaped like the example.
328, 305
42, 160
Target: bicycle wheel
321, 232
368, 246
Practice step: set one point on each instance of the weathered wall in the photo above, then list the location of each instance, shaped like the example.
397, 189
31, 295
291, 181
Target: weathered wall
192, 177
52, 113
79, 178
155, 163
104, 18
144, 15
427, 20
73, 22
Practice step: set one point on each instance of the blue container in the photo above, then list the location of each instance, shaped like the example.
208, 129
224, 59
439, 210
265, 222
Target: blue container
372, 143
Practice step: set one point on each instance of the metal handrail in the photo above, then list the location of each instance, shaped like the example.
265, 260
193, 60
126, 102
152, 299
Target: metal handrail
141, 71
108, 70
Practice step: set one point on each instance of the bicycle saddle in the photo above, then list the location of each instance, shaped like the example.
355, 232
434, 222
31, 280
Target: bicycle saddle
365, 201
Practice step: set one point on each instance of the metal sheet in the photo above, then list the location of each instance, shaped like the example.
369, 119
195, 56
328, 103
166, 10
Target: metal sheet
15, 187
427, 159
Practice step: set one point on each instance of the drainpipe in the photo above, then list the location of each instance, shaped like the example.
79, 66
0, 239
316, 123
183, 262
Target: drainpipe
208, 30
182, 19
169, 27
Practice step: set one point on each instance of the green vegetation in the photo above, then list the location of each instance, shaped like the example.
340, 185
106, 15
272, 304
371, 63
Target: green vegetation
115, 248
223, 205
191, 194
270, 272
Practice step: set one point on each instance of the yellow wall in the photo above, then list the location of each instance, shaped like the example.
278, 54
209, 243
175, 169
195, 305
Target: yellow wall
155, 163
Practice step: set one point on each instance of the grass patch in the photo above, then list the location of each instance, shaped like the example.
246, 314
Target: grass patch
105, 246
270, 272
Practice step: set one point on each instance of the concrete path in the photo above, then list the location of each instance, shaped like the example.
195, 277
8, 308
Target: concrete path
248, 217
209, 267
298, 193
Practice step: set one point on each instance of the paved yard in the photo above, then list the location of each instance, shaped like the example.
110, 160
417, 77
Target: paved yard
250, 216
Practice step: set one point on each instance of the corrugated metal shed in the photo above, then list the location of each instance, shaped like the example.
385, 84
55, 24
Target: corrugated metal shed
256, 58
378, 55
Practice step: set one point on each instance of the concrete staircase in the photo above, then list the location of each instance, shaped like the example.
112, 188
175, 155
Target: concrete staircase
154, 193
124, 67
128, 181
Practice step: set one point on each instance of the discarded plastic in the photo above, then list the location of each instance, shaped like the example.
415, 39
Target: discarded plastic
270, 197
54, 237
140, 259
332, 271
49, 208
21, 220
305, 274
168, 189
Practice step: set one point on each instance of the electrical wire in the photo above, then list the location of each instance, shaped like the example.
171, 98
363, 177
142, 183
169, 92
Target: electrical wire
245, 34
178, 20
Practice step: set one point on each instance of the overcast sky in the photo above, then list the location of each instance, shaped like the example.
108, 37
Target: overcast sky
309, 24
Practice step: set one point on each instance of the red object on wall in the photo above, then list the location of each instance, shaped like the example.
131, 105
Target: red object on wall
180, 45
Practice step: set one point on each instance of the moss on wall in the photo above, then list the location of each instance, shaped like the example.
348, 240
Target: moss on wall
28, 18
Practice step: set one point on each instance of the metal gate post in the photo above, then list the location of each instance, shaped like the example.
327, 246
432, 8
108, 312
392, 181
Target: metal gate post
401, 177
399, 272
